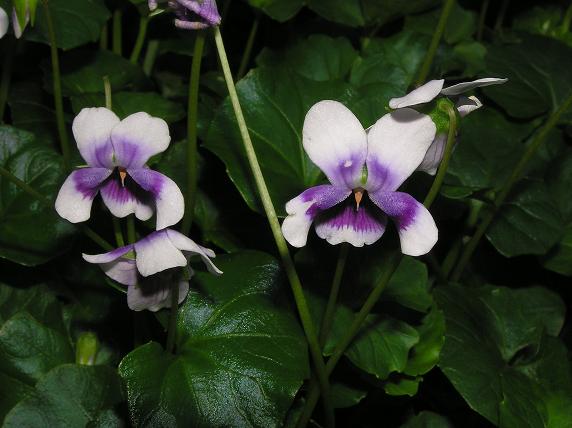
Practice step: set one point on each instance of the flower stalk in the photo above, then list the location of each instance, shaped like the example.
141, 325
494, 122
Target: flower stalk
248, 48
516, 174
287, 261
143, 23
117, 41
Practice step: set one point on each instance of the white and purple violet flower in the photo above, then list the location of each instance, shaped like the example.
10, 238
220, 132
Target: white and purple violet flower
148, 266
116, 152
464, 105
192, 14
365, 169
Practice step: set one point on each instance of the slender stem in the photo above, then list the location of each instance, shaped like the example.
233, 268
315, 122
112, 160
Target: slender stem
172, 329
117, 42
501, 15
517, 172
104, 38
426, 67
451, 257
192, 113
392, 265
565, 26
248, 49
150, 56
107, 91
143, 22
117, 231
301, 303
131, 232
6, 76
37, 195
58, 99
328, 317
482, 19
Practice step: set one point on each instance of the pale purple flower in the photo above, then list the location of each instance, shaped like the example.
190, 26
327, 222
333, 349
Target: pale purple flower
4, 23
365, 170
116, 152
149, 267
192, 14
465, 105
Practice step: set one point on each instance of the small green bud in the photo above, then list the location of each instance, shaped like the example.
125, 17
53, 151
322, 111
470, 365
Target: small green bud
86, 349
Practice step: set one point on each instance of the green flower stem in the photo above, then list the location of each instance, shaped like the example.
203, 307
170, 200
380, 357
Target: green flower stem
192, 113
248, 48
104, 38
56, 76
150, 56
37, 195
428, 61
117, 231
131, 232
565, 26
143, 23
482, 19
6, 77
392, 265
172, 329
516, 174
117, 42
301, 303
328, 318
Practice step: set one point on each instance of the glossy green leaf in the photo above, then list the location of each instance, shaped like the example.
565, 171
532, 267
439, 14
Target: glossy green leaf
241, 357
425, 354
76, 22
461, 24
344, 395
280, 10
501, 355
31, 232
126, 103
70, 395
426, 419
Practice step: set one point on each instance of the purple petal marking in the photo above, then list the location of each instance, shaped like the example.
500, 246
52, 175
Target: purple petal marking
401, 207
204, 9
88, 180
128, 154
322, 198
114, 191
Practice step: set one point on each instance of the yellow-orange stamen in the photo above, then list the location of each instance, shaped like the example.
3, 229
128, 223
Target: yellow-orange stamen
122, 176
358, 195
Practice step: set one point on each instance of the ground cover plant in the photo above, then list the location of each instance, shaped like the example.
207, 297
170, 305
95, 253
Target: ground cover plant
285, 213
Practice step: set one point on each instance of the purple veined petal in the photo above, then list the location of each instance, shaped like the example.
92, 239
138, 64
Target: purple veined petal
434, 155
92, 132
124, 200
154, 294
459, 88
206, 9
415, 225
303, 209
3, 23
466, 105
156, 253
345, 223
191, 248
76, 195
190, 25
336, 142
138, 137
169, 201
115, 266
397, 143
423, 94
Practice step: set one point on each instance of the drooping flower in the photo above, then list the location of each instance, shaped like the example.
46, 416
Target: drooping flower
149, 267
365, 170
464, 105
192, 14
3, 23
116, 152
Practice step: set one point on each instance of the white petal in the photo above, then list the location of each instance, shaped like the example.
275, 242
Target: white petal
156, 253
154, 294
336, 142
187, 245
421, 95
415, 225
303, 209
92, 131
3, 23
120, 200
76, 195
115, 266
434, 155
397, 143
137, 138
108, 257
466, 105
459, 88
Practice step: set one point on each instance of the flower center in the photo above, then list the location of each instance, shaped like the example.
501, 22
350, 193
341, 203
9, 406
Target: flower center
358, 195
122, 175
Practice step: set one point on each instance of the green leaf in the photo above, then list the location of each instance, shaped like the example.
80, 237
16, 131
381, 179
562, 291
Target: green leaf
29, 349
344, 395
559, 258
275, 102
539, 70
530, 223
70, 395
83, 73
240, 357
425, 354
75, 22
500, 354
318, 57
426, 419
31, 232
126, 103
280, 10
401, 385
